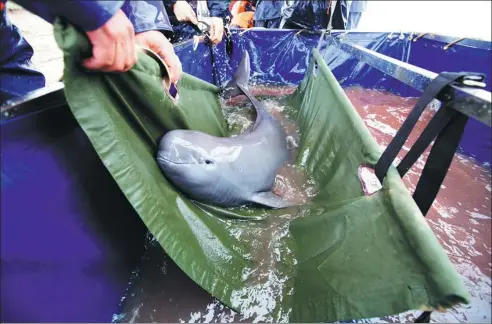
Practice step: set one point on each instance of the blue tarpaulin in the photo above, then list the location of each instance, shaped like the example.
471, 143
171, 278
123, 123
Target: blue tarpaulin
281, 57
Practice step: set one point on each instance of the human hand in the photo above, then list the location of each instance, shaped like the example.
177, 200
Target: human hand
184, 12
113, 48
157, 42
216, 30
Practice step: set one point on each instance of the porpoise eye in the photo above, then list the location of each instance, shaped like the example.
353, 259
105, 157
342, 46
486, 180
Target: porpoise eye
208, 162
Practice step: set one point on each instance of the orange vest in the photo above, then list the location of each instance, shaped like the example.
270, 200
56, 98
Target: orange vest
240, 17
236, 6
243, 20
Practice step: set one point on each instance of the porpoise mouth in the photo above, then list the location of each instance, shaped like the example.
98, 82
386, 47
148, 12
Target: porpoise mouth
162, 158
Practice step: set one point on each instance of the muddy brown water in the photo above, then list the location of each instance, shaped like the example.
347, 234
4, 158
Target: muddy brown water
460, 217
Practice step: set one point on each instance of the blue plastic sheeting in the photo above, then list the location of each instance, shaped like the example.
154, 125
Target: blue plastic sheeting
69, 237
280, 57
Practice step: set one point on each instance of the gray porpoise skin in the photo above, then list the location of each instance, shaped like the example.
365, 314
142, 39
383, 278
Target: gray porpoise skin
228, 171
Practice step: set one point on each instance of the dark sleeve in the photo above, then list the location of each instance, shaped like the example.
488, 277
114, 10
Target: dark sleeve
86, 14
92, 14
169, 5
218, 8
147, 15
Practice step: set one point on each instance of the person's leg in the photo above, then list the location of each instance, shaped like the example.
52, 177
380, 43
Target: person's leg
353, 20
273, 23
282, 23
260, 23
337, 21
17, 75
268, 23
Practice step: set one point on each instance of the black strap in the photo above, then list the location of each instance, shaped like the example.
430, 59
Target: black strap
446, 127
439, 160
432, 90
435, 126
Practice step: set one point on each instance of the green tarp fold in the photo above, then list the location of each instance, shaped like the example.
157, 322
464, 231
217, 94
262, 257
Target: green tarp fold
348, 256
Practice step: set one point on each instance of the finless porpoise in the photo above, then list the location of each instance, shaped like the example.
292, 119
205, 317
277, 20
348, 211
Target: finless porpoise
228, 171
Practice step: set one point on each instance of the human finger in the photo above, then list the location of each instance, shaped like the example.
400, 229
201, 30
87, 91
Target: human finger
110, 45
102, 57
219, 32
212, 31
174, 65
131, 50
119, 58
192, 17
131, 55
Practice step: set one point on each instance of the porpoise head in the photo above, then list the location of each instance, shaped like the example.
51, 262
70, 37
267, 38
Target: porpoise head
194, 162
184, 161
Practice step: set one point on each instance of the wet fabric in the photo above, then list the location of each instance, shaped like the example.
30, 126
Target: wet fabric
349, 256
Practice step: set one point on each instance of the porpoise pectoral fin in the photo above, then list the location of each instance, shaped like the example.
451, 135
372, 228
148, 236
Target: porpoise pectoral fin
269, 199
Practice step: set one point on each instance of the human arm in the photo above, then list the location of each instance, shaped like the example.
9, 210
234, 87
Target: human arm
183, 11
109, 25
149, 18
90, 15
108, 29
76, 12
218, 11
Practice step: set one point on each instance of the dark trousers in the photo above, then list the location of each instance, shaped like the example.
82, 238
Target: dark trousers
268, 23
336, 23
17, 75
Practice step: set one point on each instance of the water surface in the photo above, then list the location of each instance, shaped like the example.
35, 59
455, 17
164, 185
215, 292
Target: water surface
460, 218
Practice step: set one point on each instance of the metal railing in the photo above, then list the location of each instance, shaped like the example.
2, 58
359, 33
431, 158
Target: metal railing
476, 102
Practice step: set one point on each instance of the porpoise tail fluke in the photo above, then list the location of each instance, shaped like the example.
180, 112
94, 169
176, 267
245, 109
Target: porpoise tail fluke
241, 78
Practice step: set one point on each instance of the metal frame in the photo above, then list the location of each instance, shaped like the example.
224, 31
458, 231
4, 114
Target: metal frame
476, 102
52, 96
